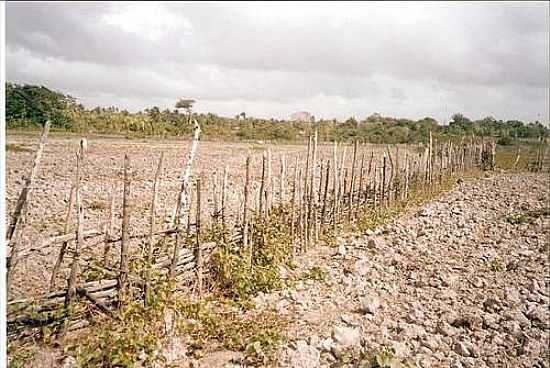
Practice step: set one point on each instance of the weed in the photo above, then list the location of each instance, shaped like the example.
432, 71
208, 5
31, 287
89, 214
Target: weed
256, 334
18, 357
97, 205
315, 273
495, 265
518, 219
242, 273
384, 358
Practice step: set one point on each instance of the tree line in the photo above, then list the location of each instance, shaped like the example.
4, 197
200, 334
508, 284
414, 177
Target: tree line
28, 106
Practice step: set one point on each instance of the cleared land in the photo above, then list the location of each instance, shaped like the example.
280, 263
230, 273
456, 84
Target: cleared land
103, 169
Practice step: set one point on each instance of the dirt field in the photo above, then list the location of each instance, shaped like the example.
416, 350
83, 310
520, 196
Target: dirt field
103, 169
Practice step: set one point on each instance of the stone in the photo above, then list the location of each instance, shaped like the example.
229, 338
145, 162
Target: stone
373, 242
325, 344
303, 356
175, 350
69, 362
342, 250
424, 212
362, 267
491, 305
346, 336
430, 342
313, 341
369, 304
512, 295
455, 363
537, 313
460, 349
348, 319
401, 350
513, 328
521, 319
477, 282
221, 359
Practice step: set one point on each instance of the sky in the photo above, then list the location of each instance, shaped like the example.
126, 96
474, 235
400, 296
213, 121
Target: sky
334, 60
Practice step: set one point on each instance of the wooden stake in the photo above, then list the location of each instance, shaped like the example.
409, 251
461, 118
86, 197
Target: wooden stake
215, 196
109, 226
282, 190
224, 199
324, 207
64, 245
352, 180
186, 174
375, 189
71, 288
336, 188
406, 176
306, 196
361, 172
152, 227
262, 186
311, 202
269, 185
301, 225
18, 219
371, 161
293, 207
245, 206
198, 244
123, 275
383, 183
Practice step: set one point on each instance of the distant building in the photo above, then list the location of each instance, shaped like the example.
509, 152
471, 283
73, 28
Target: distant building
303, 116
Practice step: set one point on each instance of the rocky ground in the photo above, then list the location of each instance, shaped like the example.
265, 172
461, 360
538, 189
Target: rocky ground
459, 283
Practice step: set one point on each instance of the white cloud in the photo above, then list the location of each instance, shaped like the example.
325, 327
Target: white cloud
151, 20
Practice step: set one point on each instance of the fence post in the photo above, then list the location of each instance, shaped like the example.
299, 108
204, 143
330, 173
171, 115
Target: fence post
152, 227
245, 207
71, 288
18, 220
224, 200
262, 185
198, 242
63, 248
123, 276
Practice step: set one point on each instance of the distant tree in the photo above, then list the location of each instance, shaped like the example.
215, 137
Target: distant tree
243, 115
28, 104
187, 105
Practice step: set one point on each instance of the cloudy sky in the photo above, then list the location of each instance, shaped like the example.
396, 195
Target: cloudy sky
269, 60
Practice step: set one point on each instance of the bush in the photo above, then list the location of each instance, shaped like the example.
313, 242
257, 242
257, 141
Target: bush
505, 141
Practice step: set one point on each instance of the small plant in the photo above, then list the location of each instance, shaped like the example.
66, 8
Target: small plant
495, 265
518, 219
382, 359
316, 273
257, 334
385, 358
97, 205
18, 357
240, 274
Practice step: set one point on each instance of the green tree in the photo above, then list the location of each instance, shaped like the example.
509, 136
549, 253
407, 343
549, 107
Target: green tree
187, 105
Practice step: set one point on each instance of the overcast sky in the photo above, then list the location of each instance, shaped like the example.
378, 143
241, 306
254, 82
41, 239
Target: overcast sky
269, 60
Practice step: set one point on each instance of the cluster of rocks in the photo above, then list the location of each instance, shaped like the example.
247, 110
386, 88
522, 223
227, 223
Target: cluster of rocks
452, 285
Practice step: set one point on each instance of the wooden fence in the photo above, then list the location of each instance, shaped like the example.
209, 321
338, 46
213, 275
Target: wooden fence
319, 192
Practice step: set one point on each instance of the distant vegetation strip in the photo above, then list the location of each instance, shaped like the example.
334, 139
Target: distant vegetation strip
28, 106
